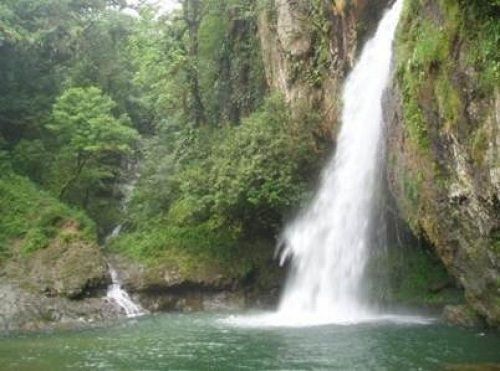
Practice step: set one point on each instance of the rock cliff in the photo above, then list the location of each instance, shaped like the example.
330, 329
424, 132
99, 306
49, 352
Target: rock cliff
443, 141
308, 48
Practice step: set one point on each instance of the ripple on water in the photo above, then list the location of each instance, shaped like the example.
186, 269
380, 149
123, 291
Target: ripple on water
255, 342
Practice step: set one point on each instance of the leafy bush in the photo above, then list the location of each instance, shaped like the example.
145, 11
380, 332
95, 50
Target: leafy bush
30, 158
33, 217
89, 147
211, 188
258, 168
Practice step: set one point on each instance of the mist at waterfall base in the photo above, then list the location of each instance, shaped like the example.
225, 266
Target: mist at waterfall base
329, 243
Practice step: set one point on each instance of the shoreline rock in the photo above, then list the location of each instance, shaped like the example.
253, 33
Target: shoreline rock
462, 315
22, 311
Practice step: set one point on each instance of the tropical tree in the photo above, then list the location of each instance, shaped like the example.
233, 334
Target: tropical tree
91, 141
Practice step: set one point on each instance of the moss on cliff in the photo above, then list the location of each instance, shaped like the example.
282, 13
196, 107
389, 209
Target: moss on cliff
417, 277
436, 39
443, 145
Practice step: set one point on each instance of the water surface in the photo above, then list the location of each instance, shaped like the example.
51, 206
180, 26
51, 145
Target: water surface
212, 342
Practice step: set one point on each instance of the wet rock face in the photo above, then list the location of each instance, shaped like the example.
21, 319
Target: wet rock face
443, 168
290, 27
459, 216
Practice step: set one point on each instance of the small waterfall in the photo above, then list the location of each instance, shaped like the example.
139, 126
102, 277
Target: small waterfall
121, 297
115, 291
329, 242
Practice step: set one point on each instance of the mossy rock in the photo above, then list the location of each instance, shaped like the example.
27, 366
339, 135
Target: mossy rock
461, 315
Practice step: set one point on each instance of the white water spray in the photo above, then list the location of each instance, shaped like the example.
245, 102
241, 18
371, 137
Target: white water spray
121, 297
115, 291
329, 242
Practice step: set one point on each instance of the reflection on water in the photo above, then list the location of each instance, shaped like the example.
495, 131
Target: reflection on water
207, 341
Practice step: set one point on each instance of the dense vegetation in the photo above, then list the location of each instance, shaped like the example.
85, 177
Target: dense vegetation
93, 98
31, 218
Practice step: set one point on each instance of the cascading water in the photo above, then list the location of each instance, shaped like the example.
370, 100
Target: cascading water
121, 297
329, 243
115, 291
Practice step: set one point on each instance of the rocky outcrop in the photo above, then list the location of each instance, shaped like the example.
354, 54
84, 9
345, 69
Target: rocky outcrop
443, 144
60, 286
22, 310
308, 47
67, 268
165, 287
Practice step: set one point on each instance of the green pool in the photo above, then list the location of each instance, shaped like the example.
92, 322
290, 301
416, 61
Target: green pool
211, 342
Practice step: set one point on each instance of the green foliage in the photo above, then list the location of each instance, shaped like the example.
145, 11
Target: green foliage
46, 48
421, 51
427, 49
157, 57
77, 75
321, 35
32, 218
102, 59
205, 70
31, 158
482, 32
159, 236
196, 252
230, 48
82, 118
37, 41
449, 102
251, 183
62, 61
90, 144
412, 190
225, 185
495, 246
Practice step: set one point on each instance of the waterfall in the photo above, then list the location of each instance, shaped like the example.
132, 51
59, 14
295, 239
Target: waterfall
115, 291
121, 297
329, 242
